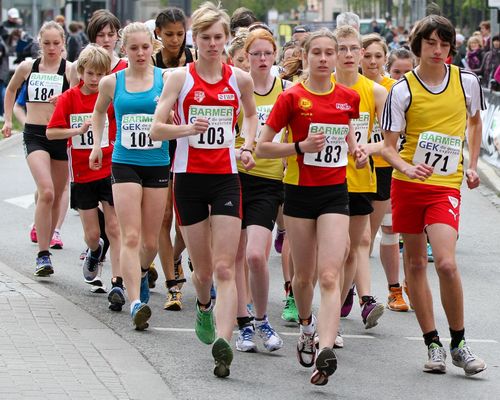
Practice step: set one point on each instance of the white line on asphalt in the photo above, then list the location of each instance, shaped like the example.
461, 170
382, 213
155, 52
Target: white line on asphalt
22, 201
449, 340
281, 333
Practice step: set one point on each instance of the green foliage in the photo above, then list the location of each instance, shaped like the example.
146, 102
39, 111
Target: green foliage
259, 7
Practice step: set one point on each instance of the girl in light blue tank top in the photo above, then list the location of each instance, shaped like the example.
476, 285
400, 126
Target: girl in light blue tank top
134, 114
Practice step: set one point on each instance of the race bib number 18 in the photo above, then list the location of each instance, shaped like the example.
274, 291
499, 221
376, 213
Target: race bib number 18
85, 141
439, 151
219, 134
335, 152
135, 134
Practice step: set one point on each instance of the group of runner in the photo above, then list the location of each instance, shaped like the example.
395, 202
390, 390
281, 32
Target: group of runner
242, 143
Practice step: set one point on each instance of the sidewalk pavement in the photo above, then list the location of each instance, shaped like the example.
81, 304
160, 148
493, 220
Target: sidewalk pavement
52, 349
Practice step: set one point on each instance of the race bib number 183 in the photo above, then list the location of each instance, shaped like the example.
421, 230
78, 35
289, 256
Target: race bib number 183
335, 152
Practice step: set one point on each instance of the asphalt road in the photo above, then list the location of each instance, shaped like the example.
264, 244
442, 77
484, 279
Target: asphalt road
381, 363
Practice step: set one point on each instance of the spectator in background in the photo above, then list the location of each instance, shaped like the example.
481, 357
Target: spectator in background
83, 35
74, 43
348, 18
13, 22
300, 34
461, 51
496, 77
375, 27
62, 21
242, 18
491, 62
4, 73
485, 29
474, 54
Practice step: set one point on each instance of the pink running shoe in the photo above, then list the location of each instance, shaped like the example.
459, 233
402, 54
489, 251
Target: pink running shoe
347, 306
278, 241
33, 236
56, 242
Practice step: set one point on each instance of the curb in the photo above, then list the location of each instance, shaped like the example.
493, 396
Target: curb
137, 376
489, 177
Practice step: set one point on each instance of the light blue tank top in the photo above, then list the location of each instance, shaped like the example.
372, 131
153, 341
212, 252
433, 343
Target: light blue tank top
134, 115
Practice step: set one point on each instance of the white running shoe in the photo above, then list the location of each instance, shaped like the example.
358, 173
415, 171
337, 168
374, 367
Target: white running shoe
269, 336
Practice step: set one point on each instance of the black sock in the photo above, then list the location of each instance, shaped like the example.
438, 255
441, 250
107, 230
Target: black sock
396, 285
43, 253
117, 281
432, 337
171, 283
366, 299
306, 321
204, 307
456, 337
244, 321
95, 253
288, 287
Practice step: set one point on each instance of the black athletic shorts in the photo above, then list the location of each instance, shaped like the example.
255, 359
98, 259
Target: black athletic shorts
35, 138
261, 198
149, 177
310, 202
360, 204
86, 196
384, 178
196, 196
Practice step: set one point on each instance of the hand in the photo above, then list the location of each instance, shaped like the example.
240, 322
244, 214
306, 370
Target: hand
95, 159
419, 171
53, 99
247, 160
7, 129
85, 127
200, 125
473, 180
313, 143
361, 157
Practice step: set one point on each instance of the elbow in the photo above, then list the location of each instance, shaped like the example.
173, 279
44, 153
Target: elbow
51, 134
154, 133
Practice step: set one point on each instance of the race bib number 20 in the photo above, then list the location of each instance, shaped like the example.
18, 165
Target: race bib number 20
440, 151
335, 152
135, 132
219, 134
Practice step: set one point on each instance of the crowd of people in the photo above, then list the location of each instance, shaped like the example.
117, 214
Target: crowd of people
332, 139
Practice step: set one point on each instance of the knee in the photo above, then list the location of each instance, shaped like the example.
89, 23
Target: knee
224, 272
256, 261
150, 245
446, 268
46, 195
365, 240
130, 239
92, 235
112, 230
416, 264
301, 281
329, 280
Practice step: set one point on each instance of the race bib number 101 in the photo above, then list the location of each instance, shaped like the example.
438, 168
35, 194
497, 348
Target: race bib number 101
135, 132
219, 134
440, 151
335, 152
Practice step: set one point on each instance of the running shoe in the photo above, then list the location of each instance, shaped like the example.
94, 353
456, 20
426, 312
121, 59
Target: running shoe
205, 327
339, 341
405, 288
306, 347
213, 292
430, 256
140, 315
437, 359
83, 254
223, 356
278, 241
90, 264
97, 284
33, 236
269, 336
347, 306
326, 365
152, 275
245, 341
56, 241
174, 300
250, 310
43, 266
290, 313
144, 295
463, 357
371, 311
395, 300
116, 298
401, 244
179, 273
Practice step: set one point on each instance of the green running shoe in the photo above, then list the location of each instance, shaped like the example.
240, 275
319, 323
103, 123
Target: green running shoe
290, 313
205, 327
223, 356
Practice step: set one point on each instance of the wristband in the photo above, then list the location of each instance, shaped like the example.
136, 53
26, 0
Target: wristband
242, 149
297, 148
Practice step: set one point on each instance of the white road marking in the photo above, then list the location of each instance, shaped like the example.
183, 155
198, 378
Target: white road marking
25, 201
420, 339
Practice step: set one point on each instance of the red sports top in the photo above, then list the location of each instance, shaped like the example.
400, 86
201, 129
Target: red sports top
213, 151
72, 109
302, 110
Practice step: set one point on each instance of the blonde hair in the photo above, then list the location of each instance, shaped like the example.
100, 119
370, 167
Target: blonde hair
322, 33
136, 27
259, 34
51, 25
371, 38
94, 57
475, 39
346, 31
207, 15
238, 42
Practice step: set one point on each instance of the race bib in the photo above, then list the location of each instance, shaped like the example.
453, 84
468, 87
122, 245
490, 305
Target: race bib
43, 86
377, 135
219, 134
361, 126
335, 152
439, 151
85, 141
135, 134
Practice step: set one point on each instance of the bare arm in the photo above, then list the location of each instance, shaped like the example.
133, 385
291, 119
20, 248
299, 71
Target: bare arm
380, 95
160, 129
66, 133
474, 131
104, 99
